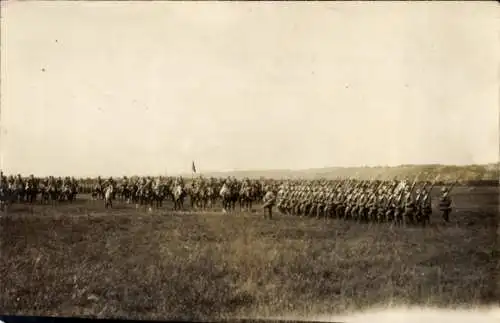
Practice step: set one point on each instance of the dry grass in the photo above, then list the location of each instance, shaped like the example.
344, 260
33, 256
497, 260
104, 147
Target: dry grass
81, 260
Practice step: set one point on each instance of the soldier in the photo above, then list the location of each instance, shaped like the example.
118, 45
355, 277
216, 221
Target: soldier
445, 204
409, 208
4, 191
347, 205
337, 203
392, 205
3, 180
426, 206
281, 199
328, 204
59, 183
309, 202
372, 207
269, 199
382, 206
417, 205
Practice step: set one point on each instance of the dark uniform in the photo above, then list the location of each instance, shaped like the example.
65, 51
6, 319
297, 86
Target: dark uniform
269, 200
426, 207
445, 204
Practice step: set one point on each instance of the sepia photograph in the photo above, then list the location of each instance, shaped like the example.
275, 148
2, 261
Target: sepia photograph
224, 160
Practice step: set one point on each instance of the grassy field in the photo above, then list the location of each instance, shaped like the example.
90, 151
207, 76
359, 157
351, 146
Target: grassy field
83, 260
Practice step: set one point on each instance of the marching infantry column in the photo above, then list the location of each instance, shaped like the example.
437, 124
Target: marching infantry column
373, 200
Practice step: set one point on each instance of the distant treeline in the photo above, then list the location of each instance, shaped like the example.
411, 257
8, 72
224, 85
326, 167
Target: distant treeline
474, 175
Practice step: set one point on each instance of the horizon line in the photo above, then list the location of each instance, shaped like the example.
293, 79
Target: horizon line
497, 163
282, 170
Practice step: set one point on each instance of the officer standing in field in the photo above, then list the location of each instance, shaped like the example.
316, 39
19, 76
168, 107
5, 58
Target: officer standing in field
269, 199
445, 204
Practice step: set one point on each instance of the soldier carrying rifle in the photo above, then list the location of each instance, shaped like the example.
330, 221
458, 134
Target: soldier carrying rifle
424, 203
269, 200
445, 201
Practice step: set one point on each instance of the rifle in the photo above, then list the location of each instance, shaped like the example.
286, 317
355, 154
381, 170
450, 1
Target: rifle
414, 184
400, 192
425, 196
391, 193
433, 183
452, 185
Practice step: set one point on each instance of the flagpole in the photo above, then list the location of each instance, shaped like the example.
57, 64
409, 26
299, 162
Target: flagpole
193, 170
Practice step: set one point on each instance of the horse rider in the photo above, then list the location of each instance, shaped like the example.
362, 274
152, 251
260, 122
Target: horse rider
3, 182
110, 182
18, 180
157, 184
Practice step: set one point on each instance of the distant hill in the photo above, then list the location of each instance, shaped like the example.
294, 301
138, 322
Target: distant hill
447, 172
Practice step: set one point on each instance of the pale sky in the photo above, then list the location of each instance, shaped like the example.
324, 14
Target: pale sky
145, 88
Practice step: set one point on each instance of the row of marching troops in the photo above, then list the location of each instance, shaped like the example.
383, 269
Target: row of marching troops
374, 200
398, 202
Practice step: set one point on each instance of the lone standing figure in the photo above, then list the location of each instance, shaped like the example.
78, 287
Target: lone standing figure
445, 204
269, 200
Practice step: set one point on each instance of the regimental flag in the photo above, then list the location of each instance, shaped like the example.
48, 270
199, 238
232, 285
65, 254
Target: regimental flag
193, 168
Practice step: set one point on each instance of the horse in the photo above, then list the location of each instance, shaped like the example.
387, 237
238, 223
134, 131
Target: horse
20, 191
134, 194
234, 196
146, 196
210, 196
201, 199
159, 193
192, 192
66, 194
245, 198
179, 194
53, 192
97, 192
74, 191
124, 192
6, 198
31, 192
44, 192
